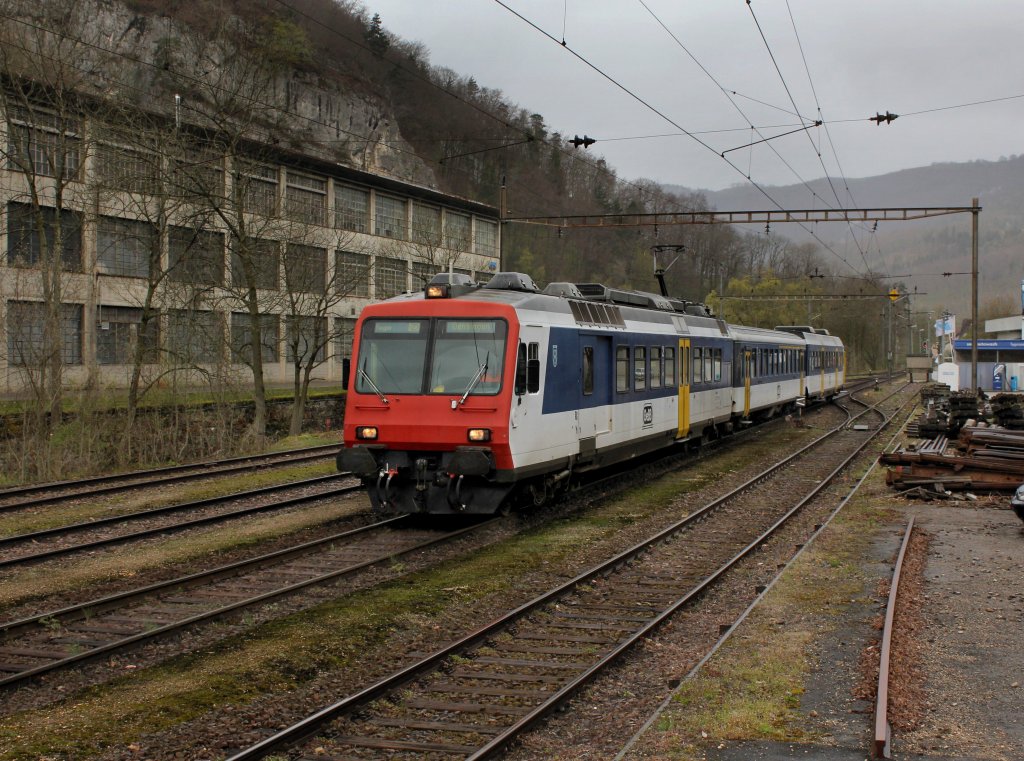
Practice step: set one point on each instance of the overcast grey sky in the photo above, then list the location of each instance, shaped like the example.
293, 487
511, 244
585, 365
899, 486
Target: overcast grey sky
863, 57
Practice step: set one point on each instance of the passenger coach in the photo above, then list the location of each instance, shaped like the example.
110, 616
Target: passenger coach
470, 399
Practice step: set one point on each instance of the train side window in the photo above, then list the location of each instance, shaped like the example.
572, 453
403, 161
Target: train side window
588, 370
709, 373
622, 369
533, 367
670, 366
697, 354
520, 384
656, 369
718, 365
639, 368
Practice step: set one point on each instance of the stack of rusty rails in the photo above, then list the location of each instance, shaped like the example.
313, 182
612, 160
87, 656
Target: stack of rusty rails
1001, 443
934, 421
988, 460
1008, 410
963, 408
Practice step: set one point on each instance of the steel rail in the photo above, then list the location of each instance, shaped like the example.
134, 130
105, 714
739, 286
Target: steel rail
153, 477
90, 609
35, 536
727, 634
883, 732
311, 725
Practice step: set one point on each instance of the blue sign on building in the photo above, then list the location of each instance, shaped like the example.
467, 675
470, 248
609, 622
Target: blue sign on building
1001, 344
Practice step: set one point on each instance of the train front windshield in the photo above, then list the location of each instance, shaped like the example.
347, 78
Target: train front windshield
441, 356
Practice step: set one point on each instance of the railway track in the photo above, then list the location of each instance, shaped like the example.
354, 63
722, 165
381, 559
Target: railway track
474, 696
57, 639
883, 731
47, 544
36, 495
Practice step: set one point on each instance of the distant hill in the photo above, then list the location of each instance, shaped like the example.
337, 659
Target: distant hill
929, 246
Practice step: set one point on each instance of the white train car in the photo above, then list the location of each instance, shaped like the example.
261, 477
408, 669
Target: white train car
466, 398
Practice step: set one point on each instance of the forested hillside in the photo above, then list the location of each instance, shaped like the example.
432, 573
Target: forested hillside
923, 248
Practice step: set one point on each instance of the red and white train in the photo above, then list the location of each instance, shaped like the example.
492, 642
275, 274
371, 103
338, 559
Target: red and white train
470, 399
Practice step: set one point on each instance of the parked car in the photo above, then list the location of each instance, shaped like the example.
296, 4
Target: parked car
1017, 502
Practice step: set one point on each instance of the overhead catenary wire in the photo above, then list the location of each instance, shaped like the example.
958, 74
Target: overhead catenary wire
671, 121
792, 100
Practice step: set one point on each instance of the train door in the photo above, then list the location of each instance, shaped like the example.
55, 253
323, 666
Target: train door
748, 368
596, 378
684, 388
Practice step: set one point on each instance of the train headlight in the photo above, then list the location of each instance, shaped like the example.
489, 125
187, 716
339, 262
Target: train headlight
479, 434
437, 291
366, 432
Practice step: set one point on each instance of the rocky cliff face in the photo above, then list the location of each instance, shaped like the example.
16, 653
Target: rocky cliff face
106, 48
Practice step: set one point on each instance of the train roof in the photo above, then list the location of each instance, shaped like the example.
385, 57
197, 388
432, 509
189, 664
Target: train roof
597, 305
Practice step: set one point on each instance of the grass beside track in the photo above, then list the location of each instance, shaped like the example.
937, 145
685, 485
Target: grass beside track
40, 581
281, 656
750, 690
83, 509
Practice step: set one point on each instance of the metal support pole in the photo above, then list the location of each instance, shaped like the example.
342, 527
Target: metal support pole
502, 214
888, 342
975, 210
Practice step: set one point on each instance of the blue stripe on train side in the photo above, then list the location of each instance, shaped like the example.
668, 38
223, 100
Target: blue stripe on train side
563, 389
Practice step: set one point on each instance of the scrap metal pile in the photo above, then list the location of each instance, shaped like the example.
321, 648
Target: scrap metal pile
986, 455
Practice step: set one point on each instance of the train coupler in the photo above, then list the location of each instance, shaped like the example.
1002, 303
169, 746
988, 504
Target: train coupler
384, 487
454, 495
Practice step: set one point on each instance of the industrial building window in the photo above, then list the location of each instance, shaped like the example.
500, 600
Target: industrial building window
344, 331
257, 260
306, 339
128, 170
194, 337
351, 208
352, 274
125, 247
259, 185
670, 366
390, 218
241, 337
42, 143
422, 272
389, 277
486, 237
27, 344
426, 224
27, 248
639, 368
306, 198
195, 256
120, 330
305, 268
456, 231
198, 170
